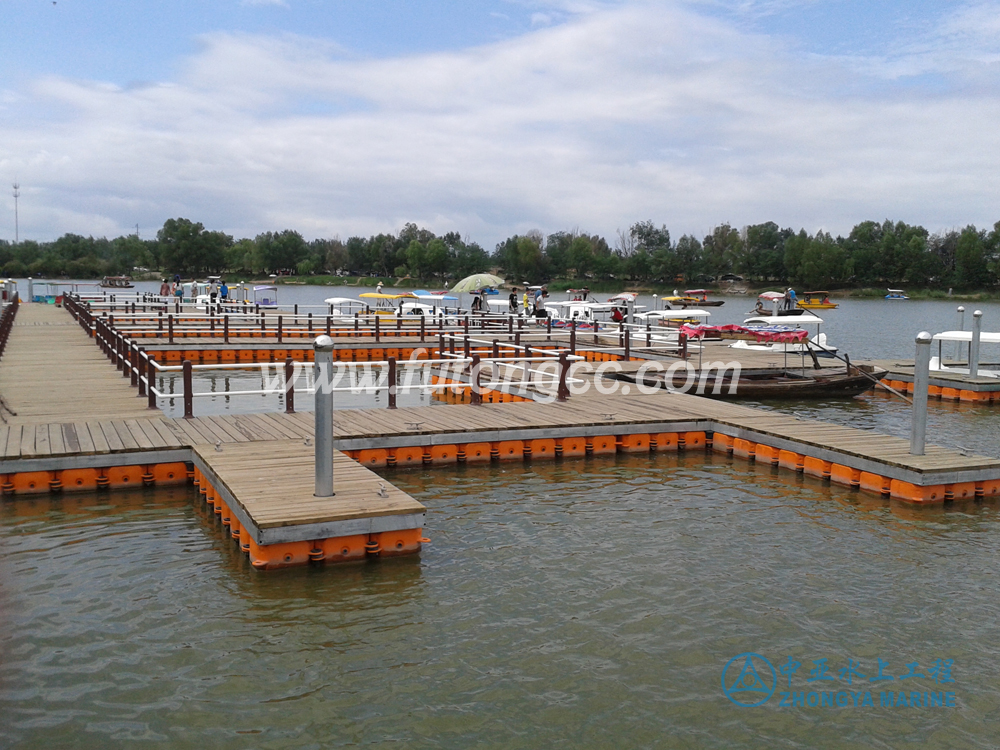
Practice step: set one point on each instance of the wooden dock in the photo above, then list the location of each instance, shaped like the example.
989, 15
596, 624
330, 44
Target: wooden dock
257, 470
263, 492
946, 386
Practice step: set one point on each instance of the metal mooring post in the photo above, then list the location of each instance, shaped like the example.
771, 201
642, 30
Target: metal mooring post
322, 379
961, 327
977, 332
921, 376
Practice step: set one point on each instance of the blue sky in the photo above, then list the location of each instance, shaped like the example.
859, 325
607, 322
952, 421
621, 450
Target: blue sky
496, 116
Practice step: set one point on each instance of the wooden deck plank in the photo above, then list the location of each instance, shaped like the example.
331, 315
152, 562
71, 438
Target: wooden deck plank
70, 439
136, 433
43, 447
13, 448
28, 441
86, 438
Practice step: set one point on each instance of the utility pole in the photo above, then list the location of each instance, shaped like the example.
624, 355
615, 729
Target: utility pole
17, 194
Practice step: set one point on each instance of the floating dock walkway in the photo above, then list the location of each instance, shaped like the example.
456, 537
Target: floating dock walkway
256, 471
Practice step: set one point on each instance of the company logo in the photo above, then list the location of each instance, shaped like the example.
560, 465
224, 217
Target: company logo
748, 680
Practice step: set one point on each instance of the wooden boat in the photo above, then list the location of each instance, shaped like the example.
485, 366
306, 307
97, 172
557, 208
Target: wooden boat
702, 296
777, 384
117, 282
817, 301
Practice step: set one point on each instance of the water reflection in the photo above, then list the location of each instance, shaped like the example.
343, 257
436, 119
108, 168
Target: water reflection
585, 602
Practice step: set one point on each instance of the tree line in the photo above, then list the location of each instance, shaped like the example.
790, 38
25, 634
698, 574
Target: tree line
873, 254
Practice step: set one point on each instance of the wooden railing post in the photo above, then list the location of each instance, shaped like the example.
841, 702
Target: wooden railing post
150, 383
188, 391
562, 393
476, 396
391, 382
289, 385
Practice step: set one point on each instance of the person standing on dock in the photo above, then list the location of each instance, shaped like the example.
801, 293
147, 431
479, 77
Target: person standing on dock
787, 305
213, 291
512, 300
224, 290
164, 289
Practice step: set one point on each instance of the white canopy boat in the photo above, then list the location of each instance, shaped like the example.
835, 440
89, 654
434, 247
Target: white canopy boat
817, 342
964, 337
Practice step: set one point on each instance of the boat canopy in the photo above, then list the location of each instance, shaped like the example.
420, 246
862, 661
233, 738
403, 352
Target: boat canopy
379, 295
624, 297
438, 297
673, 314
896, 291
815, 294
783, 320
343, 301
771, 295
696, 291
986, 337
265, 288
772, 334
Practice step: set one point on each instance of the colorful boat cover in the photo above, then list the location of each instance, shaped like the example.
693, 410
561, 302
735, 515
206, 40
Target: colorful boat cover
784, 334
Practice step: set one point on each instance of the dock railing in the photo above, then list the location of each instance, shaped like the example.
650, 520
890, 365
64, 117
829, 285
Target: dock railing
532, 372
229, 325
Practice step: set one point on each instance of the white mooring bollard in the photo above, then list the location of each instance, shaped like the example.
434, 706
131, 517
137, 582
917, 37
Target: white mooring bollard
921, 378
323, 376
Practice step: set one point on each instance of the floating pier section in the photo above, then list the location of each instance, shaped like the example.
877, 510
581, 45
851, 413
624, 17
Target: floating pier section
73, 420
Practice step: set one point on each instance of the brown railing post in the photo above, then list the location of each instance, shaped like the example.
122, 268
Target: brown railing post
627, 339
279, 329
468, 348
327, 325
391, 382
572, 336
133, 364
476, 396
225, 328
562, 393
423, 328
188, 391
683, 339
141, 367
496, 349
150, 383
170, 328
289, 384
377, 333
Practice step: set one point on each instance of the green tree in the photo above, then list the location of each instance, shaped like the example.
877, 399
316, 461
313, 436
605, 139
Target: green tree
971, 261
416, 259
186, 248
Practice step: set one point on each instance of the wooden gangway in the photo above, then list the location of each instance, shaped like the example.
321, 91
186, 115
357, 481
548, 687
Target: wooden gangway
51, 370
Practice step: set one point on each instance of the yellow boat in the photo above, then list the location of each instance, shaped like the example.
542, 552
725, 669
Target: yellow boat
385, 304
817, 301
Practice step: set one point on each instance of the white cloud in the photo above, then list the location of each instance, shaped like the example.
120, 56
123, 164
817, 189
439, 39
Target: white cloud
281, 3
621, 114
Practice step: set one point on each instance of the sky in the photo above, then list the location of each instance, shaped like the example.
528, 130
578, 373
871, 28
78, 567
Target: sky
494, 117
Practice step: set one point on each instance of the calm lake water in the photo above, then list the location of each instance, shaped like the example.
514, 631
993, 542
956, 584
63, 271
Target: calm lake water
579, 603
